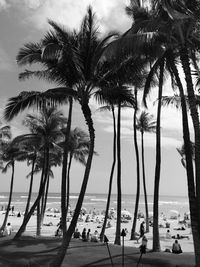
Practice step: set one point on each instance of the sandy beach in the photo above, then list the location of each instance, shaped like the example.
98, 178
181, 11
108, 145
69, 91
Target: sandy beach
132, 247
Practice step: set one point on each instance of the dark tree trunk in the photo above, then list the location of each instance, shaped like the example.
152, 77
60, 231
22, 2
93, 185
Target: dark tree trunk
68, 181
119, 193
111, 178
144, 183
9, 200
64, 171
40, 193
45, 200
30, 189
57, 261
133, 230
195, 119
189, 169
156, 238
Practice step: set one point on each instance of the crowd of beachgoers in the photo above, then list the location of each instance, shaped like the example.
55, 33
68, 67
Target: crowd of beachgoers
89, 226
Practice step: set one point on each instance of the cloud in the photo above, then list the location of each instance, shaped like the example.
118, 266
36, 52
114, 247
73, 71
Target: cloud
5, 63
4, 5
70, 12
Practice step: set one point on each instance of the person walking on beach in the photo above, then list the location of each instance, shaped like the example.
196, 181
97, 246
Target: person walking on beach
83, 235
143, 246
141, 231
88, 235
8, 229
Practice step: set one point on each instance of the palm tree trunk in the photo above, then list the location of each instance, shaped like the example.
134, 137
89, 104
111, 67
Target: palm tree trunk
57, 261
30, 188
189, 170
38, 228
144, 183
156, 238
111, 178
9, 200
40, 193
195, 118
133, 230
119, 193
45, 200
68, 181
64, 171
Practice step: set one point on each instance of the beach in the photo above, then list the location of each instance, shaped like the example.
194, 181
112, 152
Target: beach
95, 213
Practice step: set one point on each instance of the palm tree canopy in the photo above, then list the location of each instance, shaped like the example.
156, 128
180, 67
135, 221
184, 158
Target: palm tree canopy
145, 122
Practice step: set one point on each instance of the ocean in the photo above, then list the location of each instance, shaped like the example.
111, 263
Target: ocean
98, 201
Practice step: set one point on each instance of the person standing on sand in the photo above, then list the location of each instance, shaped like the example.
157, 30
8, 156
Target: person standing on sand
141, 231
8, 229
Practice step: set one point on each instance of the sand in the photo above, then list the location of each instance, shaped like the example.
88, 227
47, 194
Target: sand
97, 254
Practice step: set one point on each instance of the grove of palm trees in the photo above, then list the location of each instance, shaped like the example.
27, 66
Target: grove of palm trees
89, 74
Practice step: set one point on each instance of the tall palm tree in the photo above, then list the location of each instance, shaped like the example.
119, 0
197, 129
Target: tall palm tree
46, 128
145, 123
88, 48
11, 153
78, 149
112, 108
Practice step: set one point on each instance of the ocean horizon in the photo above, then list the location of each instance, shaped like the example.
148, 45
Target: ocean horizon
98, 201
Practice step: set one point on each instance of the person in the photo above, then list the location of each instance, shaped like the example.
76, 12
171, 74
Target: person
59, 229
141, 231
95, 236
176, 247
143, 246
88, 236
180, 236
12, 209
77, 233
8, 229
83, 235
168, 235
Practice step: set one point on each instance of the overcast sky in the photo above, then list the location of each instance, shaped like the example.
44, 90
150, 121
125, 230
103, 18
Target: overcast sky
25, 21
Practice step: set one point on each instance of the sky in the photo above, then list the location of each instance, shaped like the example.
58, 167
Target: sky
23, 21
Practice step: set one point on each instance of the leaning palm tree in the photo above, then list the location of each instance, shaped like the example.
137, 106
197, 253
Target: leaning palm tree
145, 123
87, 49
11, 153
46, 128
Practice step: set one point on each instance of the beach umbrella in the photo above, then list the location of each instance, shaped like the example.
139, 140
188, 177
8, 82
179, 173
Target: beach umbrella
125, 213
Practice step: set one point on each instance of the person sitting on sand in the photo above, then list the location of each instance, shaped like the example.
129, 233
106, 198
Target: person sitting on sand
176, 247
95, 236
8, 229
83, 235
179, 228
77, 234
168, 235
180, 236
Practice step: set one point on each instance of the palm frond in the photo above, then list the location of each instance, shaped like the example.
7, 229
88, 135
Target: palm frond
29, 54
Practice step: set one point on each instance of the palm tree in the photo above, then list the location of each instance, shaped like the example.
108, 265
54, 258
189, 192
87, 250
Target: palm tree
145, 123
46, 128
78, 149
11, 153
87, 48
133, 236
110, 107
